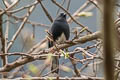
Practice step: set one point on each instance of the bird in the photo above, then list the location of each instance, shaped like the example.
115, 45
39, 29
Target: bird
60, 32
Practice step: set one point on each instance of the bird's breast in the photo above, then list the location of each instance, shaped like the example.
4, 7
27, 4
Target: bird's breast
61, 38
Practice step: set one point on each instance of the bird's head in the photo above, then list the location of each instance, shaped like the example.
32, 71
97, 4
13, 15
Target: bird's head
61, 16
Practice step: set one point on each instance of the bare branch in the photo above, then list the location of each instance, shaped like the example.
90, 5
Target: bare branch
68, 4
62, 3
22, 8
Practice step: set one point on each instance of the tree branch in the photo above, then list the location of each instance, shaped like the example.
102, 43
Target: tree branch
25, 60
63, 78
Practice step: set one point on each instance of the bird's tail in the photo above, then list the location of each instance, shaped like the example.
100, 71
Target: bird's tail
55, 64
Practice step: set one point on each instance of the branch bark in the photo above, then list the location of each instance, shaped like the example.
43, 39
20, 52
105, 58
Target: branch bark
4, 61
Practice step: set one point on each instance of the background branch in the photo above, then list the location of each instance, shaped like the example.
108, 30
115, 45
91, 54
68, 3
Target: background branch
109, 38
21, 27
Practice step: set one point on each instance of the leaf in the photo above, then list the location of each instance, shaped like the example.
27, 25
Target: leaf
84, 14
33, 68
66, 55
49, 78
65, 68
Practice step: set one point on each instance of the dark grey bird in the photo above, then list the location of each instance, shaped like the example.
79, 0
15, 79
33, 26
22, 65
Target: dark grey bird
60, 33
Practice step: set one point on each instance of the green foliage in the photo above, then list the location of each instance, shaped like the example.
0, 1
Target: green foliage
33, 68
66, 55
85, 14
49, 78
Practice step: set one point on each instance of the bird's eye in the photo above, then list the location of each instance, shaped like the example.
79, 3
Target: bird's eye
64, 15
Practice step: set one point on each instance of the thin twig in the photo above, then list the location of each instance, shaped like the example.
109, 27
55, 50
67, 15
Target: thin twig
6, 36
74, 66
45, 10
78, 10
28, 21
22, 8
68, 4
16, 53
10, 7
62, 3
92, 1
5, 2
